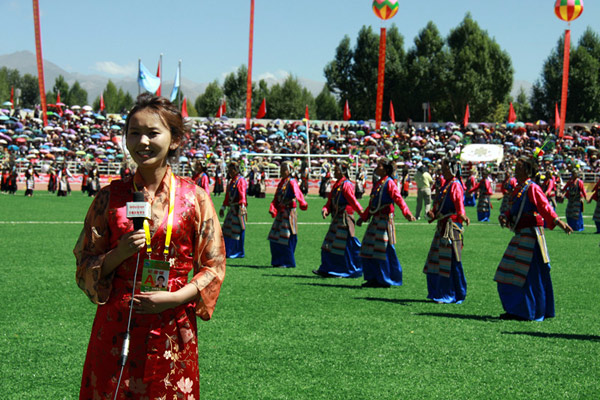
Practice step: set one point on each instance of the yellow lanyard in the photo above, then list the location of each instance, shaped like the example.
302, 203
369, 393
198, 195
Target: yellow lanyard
169, 221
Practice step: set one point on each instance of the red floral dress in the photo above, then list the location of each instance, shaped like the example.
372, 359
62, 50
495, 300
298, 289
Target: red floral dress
163, 355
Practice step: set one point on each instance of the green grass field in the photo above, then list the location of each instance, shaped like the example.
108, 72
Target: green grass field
287, 334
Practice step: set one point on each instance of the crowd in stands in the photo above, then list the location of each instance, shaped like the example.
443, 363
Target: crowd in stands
77, 134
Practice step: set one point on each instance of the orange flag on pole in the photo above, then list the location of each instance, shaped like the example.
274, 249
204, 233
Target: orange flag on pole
467, 116
392, 114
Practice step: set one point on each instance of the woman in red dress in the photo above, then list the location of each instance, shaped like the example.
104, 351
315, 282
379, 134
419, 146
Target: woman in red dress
163, 350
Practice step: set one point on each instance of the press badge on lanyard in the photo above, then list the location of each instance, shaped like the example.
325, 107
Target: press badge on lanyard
155, 273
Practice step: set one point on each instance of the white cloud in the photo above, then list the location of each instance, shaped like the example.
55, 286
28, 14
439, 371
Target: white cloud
274, 76
111, 68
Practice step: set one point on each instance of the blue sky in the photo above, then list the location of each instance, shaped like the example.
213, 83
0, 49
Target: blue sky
299, 37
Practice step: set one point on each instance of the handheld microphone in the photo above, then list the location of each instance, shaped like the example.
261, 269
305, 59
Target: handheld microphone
138, 210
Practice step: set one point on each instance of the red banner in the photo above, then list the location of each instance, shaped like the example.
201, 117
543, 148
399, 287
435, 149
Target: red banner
565, 83
249, 81
380, 79
40, 59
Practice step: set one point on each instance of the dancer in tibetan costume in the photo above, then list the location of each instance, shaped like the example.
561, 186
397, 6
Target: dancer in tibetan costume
283, 235
234, 227
574, 191
184, 236
340, 249
470, 182
201, 177
509, 184
523, 276
446, 282
381, 267
30, 175
596, 196
485, 191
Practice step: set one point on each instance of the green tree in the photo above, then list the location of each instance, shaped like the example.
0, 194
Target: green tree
364, 73
76, 95
234, 88
523, 108
327, 105
427, 65
208, 102
546, 91
338, 73
289, 100
395, 75
258, 94
480, 74
60, 86
30, 91
584, 81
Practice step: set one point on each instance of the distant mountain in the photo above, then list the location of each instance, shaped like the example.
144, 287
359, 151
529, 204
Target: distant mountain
25, 62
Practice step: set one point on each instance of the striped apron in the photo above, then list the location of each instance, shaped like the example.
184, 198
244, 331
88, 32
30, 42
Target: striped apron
516, 261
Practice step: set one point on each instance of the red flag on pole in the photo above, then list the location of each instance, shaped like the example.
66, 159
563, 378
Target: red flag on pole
158, 76
102, 106
306, 113
512, 116
219, 111
184, 112
262, 110
467, 116
347, 114
556, 117
12, 97
392, 114
428, 112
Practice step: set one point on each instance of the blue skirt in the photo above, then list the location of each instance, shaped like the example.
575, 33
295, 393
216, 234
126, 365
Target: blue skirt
283, 255
576, 223
483, 216
235, 248
388, 272
448, 290
470, 200
346, 266
535, 300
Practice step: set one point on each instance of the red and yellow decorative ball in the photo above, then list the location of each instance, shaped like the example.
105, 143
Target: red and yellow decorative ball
385, 9
567, 10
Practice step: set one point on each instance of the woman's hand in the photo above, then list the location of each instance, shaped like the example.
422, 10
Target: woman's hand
410, 218
503, 220
324, 213
154, 302
564, 226
130, 243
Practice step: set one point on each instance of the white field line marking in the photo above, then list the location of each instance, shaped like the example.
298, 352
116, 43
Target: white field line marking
473, 224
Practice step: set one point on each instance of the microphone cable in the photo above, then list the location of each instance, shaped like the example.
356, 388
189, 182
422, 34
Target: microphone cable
125, 349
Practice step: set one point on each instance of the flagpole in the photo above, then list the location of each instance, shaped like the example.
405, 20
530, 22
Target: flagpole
161, 72
249, 80
179, 89
308, 144
139, 70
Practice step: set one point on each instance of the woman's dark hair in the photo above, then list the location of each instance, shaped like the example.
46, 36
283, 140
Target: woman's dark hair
167, 112
530, 165
344, 168
454, 166
388, 165
235, 166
